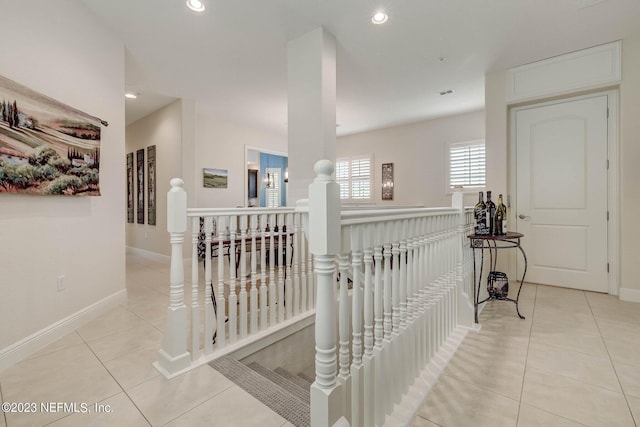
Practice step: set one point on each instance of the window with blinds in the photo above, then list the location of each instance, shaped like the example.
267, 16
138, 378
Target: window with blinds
272, 194
355, 176
467, 164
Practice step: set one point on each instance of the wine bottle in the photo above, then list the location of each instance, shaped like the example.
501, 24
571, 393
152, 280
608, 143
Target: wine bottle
491, 211
500, 225
480, 214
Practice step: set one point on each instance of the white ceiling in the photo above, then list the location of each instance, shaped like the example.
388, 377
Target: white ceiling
232, 59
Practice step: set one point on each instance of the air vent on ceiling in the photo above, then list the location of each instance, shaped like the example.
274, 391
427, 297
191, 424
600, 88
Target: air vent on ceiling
447, 92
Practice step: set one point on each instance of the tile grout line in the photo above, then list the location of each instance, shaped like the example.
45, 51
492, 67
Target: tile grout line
526, 359
525, 369
116, 381
199, 404
612, 364
4, 414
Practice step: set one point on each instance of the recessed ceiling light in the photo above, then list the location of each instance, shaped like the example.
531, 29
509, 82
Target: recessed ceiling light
379, 18
195, 5
131, 95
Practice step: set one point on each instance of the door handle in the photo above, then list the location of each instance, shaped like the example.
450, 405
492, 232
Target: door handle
525, 217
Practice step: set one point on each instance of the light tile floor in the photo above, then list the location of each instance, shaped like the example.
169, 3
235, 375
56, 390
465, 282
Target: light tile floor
574, 361
108, 361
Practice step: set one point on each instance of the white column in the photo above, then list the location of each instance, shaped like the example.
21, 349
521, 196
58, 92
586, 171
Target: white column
311, 121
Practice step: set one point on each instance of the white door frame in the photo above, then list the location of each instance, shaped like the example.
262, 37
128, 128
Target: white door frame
246, 157
613, 177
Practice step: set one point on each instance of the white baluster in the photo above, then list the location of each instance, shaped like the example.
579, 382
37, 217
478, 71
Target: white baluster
221, 301
243, 277
295, 241
287, 248
396, 352
357, 401
369, 368
388, 387
263, 273
304, 299
311, 280
379, 367
253, 293
281, 243
209, 319
195, 308
272, 272
387, 292
233, 291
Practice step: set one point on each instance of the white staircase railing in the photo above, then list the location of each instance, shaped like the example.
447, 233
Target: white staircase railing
264, 285
391, 290
403, 304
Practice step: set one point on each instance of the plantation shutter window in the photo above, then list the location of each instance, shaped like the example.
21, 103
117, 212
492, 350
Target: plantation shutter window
273, 193
354, 175
467, 164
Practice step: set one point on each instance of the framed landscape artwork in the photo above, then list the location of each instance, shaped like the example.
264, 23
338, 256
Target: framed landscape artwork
46, 147
215, 178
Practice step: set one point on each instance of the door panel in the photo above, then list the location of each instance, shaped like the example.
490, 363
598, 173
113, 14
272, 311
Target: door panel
561, 190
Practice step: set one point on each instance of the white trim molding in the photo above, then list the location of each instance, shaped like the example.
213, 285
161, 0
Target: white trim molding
631, 295
27, 346
154, 256
584, 69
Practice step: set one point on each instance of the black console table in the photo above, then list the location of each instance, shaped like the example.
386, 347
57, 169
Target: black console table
492, 243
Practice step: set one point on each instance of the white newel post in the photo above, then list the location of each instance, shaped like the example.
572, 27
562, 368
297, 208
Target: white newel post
465, 305
324, 243
173, 357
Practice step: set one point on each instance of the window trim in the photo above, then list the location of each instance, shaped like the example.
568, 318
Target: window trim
465, 188
350, 159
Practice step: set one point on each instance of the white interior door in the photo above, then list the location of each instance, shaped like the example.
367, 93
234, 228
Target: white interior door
561, 192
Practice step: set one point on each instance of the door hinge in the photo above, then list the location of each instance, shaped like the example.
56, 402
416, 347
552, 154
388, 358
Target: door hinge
607, 215
607, 164
607, 112
607, 267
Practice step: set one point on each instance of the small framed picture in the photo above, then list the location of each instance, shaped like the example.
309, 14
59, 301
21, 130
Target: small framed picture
387, 181
215, 178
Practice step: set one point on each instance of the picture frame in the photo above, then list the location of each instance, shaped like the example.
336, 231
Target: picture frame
130, 208
140, 184
387, 181
151, 185
215, 178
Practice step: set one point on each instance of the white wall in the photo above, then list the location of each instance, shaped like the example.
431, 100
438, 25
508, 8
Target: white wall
629, 143
419, 154
162, 129
60, 49
221, 144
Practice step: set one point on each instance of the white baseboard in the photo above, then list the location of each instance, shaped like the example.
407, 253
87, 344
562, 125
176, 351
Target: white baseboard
24, 348
631, 295
154, 256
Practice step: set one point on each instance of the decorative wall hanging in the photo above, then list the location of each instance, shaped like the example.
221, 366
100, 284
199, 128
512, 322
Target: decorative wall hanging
151, 179
130, 188
46, 147
387, 181
215, 178
140, 184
